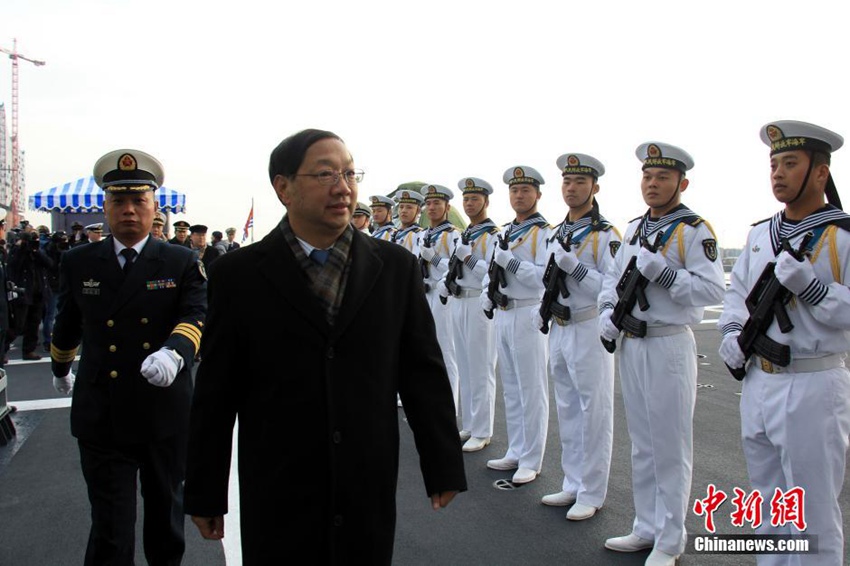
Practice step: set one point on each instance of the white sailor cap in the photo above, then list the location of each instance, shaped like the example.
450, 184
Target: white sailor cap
437, 191
580, 164
409, 196
790, 135
128, 170
96, 227
361, 208
381, 200
522, 175
475, 185
664, 155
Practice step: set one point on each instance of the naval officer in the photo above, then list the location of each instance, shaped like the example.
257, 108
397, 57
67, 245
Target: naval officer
137, 305
795, 420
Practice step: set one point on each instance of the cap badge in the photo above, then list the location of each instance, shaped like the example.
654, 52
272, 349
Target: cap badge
374, 200
405, 194
518, 172
653, 151
470, 183
774, 133
127, 162
572, 161
432, 190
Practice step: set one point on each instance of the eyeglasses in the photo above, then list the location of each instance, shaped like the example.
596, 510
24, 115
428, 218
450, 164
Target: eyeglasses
352, 176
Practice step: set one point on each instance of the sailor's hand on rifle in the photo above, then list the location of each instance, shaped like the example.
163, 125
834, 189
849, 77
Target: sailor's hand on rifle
650, 264
442, 290
485, 302
731, 351
567, 261
607, 329
463, 251
503, 257
794, 275
536, 319
427, 253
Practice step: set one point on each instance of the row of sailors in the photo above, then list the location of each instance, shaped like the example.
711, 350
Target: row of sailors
658, 371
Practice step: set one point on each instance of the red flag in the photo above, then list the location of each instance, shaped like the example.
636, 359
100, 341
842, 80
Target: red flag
248, 223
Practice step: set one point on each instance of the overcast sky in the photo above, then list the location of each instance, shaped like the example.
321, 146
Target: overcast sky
432, 91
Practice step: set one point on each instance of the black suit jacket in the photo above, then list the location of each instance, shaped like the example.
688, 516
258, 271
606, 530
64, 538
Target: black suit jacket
318, 421
162, 302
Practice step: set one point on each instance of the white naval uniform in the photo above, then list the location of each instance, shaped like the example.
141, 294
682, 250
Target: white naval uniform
795, 424
385, 232
437, 268
408, 238
658, 374
580, 367
522, 349
475, 339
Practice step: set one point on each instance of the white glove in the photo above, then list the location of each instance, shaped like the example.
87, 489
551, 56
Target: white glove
731, 352
567, 261
606, 328
485, 302
794, 275
536, 319
427, 253
442, 290
64, 385
503, 257
650, 264
161, 367
463, 251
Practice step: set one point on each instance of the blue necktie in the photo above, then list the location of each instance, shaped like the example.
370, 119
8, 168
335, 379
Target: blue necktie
320, 256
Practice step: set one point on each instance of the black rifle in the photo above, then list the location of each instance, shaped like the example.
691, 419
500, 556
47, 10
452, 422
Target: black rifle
767, 301
497, 277
423, 263
455, 271
555, 281
631, 289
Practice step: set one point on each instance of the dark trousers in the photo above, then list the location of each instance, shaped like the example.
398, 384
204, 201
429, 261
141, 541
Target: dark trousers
110, 473
27, 319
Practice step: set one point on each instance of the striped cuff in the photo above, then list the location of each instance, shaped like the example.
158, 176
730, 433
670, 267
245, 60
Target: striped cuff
814, 293
731, 327
471, 262
190, 332
579, 272
435, 261
513, 266
62, 356
667, 277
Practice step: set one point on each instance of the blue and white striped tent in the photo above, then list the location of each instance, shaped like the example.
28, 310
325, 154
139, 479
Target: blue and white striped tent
83, 195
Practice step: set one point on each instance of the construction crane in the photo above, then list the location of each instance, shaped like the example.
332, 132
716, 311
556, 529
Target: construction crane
17, 204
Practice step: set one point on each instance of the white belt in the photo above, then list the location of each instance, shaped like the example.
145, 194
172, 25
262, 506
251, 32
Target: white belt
802, 365
659, 331
581, 316
516, 303
467, 293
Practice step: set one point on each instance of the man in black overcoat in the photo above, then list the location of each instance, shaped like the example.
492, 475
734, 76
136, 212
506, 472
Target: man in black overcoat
290, 319
138, 306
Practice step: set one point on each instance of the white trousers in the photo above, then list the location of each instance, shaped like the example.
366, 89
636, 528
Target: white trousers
795, 429
442, 320
475, 350
583, 375
659, 382
522, 353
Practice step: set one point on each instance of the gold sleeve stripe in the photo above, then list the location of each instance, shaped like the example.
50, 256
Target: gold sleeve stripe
62, 356
192, 333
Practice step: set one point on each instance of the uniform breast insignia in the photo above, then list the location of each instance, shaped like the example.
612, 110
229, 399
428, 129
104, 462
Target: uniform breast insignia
160, 284
756, 249
202, 270
91, 287
709, 246
614, 246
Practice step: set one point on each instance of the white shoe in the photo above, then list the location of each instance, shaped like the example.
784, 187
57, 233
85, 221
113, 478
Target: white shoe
629, 543
560, 499
503, 464
525, 475
465, 435
580, 512
659, 558
475, 444
398, 401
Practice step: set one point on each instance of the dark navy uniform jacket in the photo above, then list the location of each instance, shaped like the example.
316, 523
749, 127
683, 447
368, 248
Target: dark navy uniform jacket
162, 302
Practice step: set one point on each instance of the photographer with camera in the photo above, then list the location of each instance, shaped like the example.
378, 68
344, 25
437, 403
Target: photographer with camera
28, 269
57, 244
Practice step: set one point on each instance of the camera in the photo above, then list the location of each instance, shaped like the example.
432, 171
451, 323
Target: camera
13, 291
